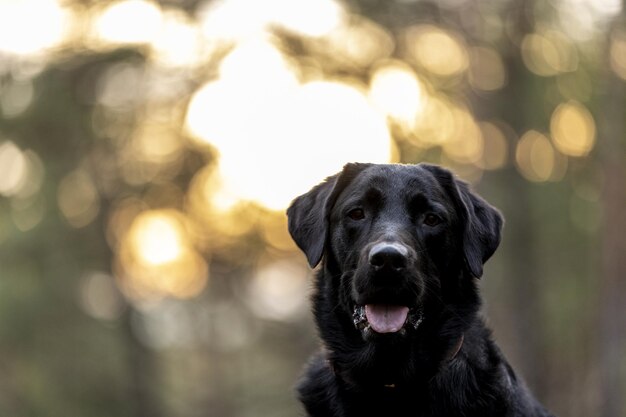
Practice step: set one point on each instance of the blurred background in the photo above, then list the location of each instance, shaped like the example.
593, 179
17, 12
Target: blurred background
148, 151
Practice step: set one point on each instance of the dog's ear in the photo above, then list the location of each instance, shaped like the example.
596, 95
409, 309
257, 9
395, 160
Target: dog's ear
309, 214
482, 222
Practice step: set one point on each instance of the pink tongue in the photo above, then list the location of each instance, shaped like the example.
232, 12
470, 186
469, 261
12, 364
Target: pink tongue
386, 318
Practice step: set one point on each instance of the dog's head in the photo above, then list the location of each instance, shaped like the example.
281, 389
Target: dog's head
394, 239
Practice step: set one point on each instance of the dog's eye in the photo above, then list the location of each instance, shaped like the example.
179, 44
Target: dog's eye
432, 220
356, 214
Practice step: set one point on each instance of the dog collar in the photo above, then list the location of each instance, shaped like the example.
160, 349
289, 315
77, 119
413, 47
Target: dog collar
457, 348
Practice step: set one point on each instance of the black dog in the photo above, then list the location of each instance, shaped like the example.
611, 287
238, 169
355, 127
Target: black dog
396, 299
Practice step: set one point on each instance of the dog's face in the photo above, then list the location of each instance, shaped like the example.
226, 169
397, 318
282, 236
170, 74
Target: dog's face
395, 239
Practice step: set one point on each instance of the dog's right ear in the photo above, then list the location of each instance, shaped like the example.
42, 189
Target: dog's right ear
309, 214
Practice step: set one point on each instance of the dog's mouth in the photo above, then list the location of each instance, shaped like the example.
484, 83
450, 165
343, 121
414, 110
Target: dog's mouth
386, 318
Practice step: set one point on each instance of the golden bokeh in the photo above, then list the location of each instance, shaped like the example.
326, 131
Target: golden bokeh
156, 237
222, 214
438, 51
435, 125
573, 129
396, 90
466, 144
278, 290
358, 43
548, 53
495, 146
32, 27
265, 122
537, 160
179, 43
157, 259
118, 22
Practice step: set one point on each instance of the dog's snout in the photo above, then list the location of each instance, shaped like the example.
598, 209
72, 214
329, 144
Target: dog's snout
388, 255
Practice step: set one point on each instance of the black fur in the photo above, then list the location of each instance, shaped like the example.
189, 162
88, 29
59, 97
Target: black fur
444, 365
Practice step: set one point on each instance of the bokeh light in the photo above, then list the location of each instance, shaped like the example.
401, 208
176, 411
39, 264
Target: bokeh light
30, 27
157, 258
573, 129
465, 145
99, 297
358, 43
436, 124
308, 129
157, 237
438, 51
396, 91
278, 290
549, 53
495, 146
13, 168
119, 22
179, 41
537, 160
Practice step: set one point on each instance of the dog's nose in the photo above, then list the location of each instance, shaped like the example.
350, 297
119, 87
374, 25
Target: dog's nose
388, 255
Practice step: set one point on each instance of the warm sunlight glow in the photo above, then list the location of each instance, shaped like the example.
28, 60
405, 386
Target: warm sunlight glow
157, 237
157, 258
178, 43
436, 124
260, 117
396, 91
573, 129
438, 51
29, 27
129, 21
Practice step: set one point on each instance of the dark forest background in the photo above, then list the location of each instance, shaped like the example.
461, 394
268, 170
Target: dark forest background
148, 151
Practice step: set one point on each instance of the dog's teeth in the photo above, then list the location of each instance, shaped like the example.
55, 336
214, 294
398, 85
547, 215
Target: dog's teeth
358, 317
419, 318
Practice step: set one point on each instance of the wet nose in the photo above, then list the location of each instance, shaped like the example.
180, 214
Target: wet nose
388, 255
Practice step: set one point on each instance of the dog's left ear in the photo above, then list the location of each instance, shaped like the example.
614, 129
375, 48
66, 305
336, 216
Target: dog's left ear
482, 222
308, 214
